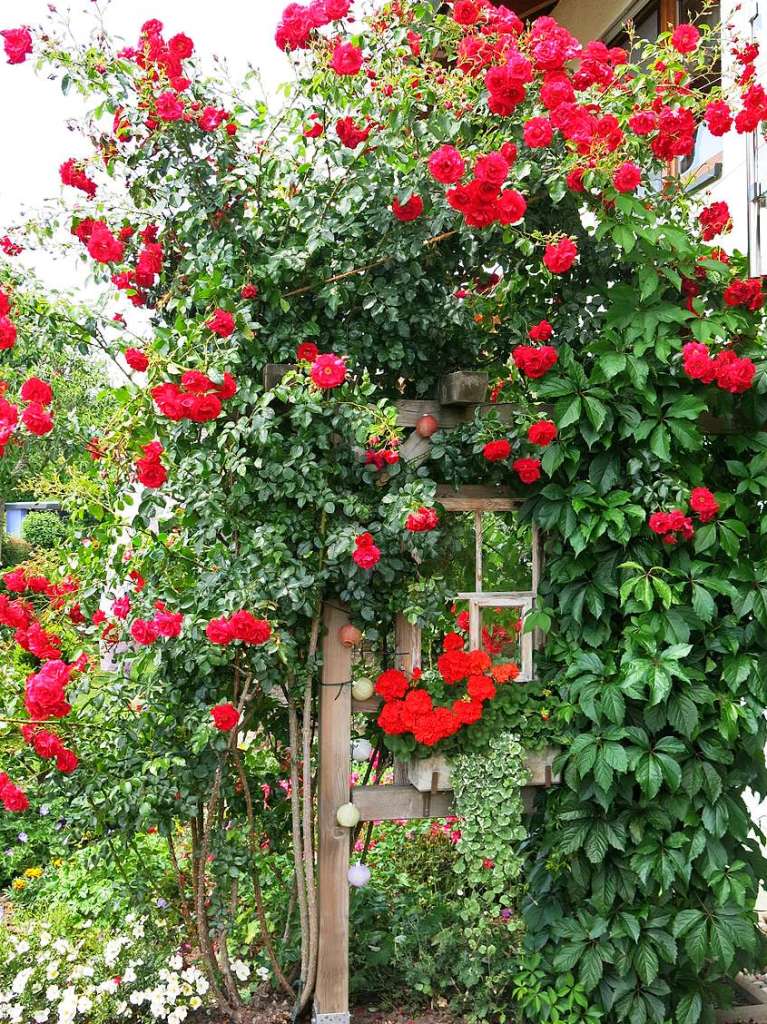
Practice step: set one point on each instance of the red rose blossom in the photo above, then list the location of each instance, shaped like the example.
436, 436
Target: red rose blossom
221, 323
219, 631
528, 470
366, 553
560, 256
533, 361
328, 371
307, 352
36, 390
704, 504
347, 59
136, 359
391, 684
538, 132
496, 451
685, 38
411, 210
465, 12
446, 165
421, 521
17, 43
542, 433
225, 717
627, 177
37, 419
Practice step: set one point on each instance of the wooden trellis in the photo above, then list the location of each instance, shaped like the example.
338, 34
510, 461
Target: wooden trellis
400, 800
460, 395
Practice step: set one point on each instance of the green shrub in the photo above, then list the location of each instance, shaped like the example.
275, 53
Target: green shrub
14, 552
43, 530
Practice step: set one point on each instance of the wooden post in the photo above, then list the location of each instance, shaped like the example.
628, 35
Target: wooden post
407, 642
331, 997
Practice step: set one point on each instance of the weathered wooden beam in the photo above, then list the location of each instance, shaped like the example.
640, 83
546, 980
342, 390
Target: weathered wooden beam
404, 802
390, 803
477, 498
463, 387
331, 999
407, 643
274, 372
409, 411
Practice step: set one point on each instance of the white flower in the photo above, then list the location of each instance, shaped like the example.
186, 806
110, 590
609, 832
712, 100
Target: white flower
195, 1003
42, 1016
44, 940
52, 970
68, 1006
137, 997
130, 976
61, 946
202, 985
16, 1012
157, 1007
263, 973
179, 1014
112, 951
176, 963
241, 970
20, 981
84, 1004
52, 993
138, 931
122, 1008
22, 947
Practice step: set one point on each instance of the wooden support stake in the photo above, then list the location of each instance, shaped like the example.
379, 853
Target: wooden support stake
407, 640
331, 997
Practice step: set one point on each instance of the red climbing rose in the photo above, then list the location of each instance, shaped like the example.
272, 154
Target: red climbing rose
225, 717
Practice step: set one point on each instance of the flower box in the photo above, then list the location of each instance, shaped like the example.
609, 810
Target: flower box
432, 774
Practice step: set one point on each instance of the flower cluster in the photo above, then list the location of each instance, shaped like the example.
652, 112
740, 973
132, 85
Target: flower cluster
422, 521
12, 798
196, 398
715, 220
35, 416
163, 623
366, 553
225, 717
149, 469
8, 330
409, 706
534, 361
299, 21
72, 173
48, 746
672, 525
482, 201
88, 976
729, 371
242, 626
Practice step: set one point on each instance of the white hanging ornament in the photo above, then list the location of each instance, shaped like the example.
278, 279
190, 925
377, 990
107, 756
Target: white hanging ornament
362, 750
347, 816
358, 875
362, 688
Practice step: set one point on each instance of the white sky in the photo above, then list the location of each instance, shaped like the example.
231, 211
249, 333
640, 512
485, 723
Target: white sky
36, 139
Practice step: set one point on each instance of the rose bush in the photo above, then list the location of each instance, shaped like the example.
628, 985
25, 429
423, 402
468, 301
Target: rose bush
219, 490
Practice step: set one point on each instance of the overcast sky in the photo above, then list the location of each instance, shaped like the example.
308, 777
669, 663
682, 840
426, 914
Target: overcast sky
36, 139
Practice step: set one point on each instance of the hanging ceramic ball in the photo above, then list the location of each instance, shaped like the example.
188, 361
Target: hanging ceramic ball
361, 750
347, 816
362, 689
358, 875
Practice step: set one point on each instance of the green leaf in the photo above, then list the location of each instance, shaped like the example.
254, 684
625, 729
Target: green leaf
689, 1008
